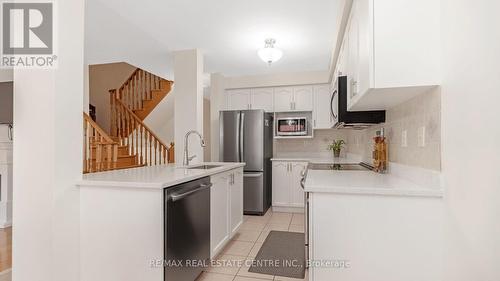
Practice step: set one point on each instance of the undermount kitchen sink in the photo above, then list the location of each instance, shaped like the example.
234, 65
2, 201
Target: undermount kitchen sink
203, 167
340, 167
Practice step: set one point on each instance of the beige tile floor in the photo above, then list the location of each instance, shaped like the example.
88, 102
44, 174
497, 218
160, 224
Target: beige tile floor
246, 244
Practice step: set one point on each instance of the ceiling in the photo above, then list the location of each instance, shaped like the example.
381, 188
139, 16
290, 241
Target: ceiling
228, 32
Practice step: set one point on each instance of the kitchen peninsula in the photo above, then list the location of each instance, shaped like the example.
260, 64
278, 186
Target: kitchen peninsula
122, 221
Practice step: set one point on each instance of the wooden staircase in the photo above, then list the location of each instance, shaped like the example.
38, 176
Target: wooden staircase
131, 143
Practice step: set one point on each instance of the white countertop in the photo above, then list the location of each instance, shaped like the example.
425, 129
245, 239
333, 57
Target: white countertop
320, 159
153, 177
366, 182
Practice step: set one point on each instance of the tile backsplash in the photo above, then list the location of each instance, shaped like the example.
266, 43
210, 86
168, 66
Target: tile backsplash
314, 147
420, 115
423, 111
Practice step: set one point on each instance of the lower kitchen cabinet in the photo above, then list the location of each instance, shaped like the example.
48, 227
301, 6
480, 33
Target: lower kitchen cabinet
226, 208
236, 202
372, 237
288, 195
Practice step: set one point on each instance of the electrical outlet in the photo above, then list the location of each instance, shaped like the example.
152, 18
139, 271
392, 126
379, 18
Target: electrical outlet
404, 138
421, 137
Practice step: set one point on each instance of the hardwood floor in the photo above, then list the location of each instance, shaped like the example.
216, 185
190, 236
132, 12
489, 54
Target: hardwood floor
5, 249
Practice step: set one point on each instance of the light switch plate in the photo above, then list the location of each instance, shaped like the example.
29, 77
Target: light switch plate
404, 138
421, 137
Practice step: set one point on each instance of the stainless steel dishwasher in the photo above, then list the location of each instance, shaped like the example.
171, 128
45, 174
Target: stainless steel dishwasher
187, 229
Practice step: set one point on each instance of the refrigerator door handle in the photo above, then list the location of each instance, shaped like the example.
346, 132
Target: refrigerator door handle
241, 138
238, 121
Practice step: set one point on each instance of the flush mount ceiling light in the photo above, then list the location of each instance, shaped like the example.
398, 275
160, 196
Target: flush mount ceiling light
269, 53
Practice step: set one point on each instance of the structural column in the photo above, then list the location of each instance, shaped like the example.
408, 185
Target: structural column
217, 100
47, 161
188, 94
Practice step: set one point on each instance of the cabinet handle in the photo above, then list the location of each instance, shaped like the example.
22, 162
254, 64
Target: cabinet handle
291, 105
314, 123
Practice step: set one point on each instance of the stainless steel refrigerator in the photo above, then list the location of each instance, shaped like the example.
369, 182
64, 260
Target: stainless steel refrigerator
247, 136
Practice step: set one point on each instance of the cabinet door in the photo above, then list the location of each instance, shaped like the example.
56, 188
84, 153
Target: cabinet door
322, 114
303, 98
283, 98
352, 69
238, 99
262, 98
281, 182
296, 191
219, 213
236, 214
364, 21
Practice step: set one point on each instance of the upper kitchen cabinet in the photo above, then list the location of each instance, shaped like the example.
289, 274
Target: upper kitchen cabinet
390, 51
243, 99
321, 113
262, 98
283, 99
288, 99
303, 98
238, 99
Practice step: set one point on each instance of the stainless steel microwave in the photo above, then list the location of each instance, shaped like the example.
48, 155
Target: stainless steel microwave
291, 126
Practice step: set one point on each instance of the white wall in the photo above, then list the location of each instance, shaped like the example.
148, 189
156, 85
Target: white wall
47, 158
188, 97
274, 80
6, 75
102, 78
471, 133
161, 119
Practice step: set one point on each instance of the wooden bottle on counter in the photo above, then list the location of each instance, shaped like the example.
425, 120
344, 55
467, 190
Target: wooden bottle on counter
380, 152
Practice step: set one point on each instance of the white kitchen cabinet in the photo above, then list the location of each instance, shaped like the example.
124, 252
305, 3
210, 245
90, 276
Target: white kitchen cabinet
392, 55
281, 194
360, 232
303, 98
238, 99
288, 195
283, 99
236, 191
299, 98
226, 208
322, 115
243, 99
262, 98
219, 212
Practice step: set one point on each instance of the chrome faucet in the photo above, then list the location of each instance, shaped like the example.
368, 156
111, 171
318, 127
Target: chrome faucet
188, 158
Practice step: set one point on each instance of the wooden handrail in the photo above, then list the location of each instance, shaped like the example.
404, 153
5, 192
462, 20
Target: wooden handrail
94, 125
99, 150
137, 119
138, 87
137, 136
